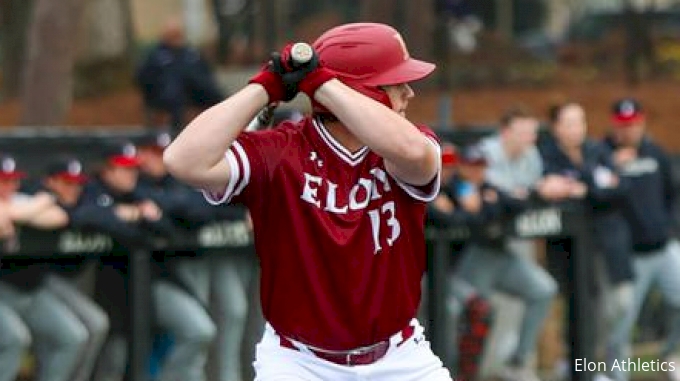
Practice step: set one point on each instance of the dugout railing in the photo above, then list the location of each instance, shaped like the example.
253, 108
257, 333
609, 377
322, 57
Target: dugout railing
566, 221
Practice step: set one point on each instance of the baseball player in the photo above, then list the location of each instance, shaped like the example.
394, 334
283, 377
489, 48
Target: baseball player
648, 210
337, 202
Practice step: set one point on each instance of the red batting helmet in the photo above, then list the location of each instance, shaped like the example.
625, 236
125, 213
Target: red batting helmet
365, 56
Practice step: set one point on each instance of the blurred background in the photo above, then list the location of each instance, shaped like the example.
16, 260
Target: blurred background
75, 64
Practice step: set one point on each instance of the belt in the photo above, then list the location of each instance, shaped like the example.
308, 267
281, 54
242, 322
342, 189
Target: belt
357, 356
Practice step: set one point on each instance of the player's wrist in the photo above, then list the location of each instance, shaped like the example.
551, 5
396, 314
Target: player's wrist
314, 80
271, 83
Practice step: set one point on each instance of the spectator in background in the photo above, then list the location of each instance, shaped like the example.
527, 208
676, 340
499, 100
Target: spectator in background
647, 208
591, 174
221, 278
64, 179
515, 168
491, 262
31, 312
176, 310
469, 312
587, 169
514, 162
463, 25
175, 77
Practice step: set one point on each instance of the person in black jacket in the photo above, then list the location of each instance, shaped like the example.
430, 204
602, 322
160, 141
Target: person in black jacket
587, 169
176, 311
647, 208
175, 76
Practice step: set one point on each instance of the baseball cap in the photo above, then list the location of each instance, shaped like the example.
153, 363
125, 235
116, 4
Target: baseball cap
158, 141
120, 154
473, 155
8, 168
449, 155
69, 169
626, 111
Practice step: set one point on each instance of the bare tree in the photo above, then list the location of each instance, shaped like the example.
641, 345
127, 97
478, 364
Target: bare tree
49, 67
639, 51
14, 17
104, 60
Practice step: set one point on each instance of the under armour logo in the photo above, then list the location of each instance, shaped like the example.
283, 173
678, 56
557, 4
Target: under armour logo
315, 158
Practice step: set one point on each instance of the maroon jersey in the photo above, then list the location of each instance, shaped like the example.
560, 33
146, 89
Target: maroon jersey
340, 241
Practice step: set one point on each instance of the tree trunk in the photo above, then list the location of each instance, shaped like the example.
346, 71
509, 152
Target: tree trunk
48, 84
105, 57
129, 27
419, 28
14, 18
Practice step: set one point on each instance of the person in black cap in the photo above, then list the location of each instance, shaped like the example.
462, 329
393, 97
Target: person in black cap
64, 179
117, 185
28, 311
648, 210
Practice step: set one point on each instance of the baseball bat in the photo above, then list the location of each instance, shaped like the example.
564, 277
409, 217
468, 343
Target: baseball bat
300, 54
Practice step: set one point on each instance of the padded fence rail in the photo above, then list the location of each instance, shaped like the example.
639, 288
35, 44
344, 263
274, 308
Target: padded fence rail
32, 146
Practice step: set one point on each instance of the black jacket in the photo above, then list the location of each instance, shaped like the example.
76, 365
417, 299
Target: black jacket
172, 77
650, 195
610, 229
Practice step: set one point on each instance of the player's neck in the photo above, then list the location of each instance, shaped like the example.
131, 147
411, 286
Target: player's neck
340, 133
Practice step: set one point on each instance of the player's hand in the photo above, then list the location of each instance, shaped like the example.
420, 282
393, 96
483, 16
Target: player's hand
7, 229
280, 76
490, 196
444, 204
553, 188
578, 189
623, 156
472, 203
149, 210
127, 213
272, 83
306, 77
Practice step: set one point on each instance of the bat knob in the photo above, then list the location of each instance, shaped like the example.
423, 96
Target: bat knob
301, 53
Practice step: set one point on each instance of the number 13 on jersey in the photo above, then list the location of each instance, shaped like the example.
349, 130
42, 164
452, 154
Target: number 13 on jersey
390, 233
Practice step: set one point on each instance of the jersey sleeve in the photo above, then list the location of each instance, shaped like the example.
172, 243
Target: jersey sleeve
429, 191
251, 159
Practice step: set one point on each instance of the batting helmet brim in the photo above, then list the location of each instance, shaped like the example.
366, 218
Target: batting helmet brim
408, 71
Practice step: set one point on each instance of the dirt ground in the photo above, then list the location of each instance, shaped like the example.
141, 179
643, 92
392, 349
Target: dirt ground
469, 107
